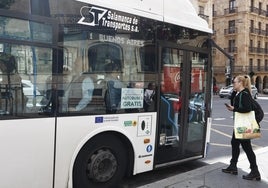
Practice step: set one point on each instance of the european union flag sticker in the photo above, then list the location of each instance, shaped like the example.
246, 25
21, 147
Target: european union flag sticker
98, 119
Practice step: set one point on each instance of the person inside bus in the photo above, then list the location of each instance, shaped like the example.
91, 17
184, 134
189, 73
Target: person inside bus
78, 93
149, 95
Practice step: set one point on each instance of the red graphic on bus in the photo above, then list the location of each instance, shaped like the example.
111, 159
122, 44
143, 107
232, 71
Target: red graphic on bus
171, 79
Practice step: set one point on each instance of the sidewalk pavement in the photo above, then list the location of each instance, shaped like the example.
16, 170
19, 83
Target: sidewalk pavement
211, 176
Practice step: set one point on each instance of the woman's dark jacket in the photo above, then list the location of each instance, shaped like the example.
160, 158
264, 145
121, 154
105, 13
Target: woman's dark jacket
242, 101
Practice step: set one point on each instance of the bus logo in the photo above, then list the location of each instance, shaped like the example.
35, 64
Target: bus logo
91, 15
96, 16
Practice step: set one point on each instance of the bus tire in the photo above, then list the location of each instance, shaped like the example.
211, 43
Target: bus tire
101, 163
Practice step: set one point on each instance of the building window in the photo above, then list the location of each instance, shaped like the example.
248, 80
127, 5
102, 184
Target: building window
266, 65
259, 65
252, 23
251, 46
259, 47
252, 8
231, 46
252, 3
250, 65
232, 4
251, 26
231, 26
260, 7
251, 43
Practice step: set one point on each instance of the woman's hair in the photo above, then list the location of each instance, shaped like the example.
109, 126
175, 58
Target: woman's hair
245, 79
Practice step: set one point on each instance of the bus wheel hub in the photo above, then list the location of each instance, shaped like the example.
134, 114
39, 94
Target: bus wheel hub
102, 166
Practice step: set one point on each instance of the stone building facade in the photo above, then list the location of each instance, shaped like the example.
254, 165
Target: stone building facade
241, 29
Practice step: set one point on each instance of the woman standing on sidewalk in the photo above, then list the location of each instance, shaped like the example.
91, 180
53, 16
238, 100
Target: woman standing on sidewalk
242, 87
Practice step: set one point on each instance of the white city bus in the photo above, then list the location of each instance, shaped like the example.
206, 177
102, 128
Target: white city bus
95, 90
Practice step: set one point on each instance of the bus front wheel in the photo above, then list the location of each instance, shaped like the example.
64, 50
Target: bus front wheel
100, 163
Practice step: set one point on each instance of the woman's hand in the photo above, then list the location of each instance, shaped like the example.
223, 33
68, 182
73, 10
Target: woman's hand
229, 107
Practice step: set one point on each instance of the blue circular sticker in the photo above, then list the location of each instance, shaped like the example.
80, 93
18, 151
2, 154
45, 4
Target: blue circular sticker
149, 148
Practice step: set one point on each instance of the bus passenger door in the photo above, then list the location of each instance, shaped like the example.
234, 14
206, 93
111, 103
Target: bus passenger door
196, 105
170, 103
182, 117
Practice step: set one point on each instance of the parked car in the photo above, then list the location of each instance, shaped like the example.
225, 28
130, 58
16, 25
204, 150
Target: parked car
197, 107
254, 92
227, 91
28, 88
265, 90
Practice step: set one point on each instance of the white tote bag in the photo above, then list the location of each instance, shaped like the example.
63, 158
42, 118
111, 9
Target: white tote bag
246, 126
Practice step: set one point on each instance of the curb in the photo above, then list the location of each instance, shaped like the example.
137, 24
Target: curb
184, 176
192, 176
